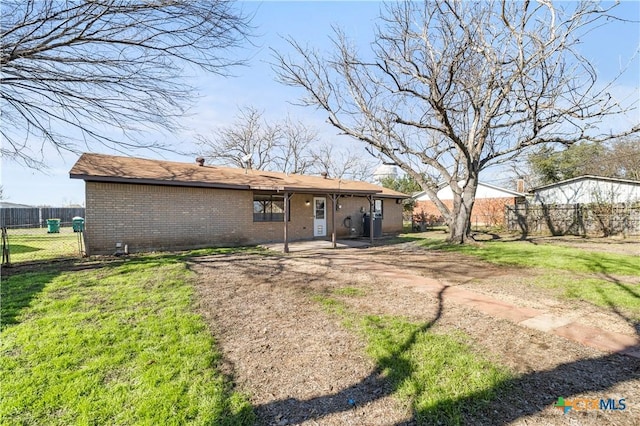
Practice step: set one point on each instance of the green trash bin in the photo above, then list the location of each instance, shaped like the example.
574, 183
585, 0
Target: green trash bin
53, 226
78, 224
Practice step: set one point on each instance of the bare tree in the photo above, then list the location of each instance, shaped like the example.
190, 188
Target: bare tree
453, 87
341, 164
287, 146
297, 139
70, 70
248, 142
625, 154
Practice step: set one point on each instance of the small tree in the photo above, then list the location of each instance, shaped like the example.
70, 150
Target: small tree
549, 165
453, 87
405, 184
605, 205
625, 154
618, 158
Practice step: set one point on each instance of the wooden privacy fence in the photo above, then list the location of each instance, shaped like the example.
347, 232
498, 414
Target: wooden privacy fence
594, 219
36, 217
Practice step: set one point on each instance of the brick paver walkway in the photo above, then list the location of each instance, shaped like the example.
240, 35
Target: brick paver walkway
537, 319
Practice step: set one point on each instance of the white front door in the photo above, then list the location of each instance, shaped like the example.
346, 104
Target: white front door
319, 216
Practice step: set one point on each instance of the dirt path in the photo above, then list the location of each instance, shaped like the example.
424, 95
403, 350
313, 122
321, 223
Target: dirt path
300, 366
511, 285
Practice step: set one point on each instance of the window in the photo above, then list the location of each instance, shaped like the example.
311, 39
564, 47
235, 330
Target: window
268, 208
377, 207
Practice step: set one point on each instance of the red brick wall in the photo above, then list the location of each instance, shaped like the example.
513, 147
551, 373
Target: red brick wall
486, 211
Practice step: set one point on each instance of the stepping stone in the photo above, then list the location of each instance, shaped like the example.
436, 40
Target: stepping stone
546, 322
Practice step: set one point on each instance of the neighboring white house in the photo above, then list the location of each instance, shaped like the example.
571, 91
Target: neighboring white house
8, 205
484, 191
588, 189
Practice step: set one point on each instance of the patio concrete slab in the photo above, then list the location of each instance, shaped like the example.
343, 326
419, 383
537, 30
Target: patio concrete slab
296, 246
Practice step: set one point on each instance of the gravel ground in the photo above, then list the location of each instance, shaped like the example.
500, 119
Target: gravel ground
299, 365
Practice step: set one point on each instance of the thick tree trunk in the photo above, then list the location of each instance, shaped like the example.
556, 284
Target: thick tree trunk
460, 220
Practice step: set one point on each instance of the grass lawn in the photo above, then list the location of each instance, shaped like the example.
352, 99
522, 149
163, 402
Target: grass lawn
35, 244
438, 374
575, 273
119, 344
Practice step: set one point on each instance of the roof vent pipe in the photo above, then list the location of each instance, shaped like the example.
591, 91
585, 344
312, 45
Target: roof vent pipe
200, 161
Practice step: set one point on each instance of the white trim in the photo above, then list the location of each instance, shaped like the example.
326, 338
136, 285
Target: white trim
319, 225
576, 179
508, 192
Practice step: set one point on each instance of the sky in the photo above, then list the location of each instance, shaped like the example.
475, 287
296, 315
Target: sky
308, 22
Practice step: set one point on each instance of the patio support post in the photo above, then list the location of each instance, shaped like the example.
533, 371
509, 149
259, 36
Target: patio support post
370, 198
334, 205
287, 197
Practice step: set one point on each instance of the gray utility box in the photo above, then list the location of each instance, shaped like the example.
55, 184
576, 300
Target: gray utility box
377, 225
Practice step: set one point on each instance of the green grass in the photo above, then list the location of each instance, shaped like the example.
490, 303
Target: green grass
438, 374
349, 291
574, 273
434, 371
548, 256
28, 245
16, 293
225, 251
116, 345
617, 296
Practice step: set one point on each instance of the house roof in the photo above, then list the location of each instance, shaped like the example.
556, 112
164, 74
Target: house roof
109, 168
8, 205
587, 177
497, 188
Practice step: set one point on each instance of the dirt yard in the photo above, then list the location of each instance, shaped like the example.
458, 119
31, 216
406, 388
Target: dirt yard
300, 365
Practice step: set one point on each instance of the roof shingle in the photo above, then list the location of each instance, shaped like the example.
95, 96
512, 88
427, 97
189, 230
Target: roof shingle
109, 168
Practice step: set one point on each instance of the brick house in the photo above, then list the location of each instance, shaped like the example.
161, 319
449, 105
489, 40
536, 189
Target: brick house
488, 208
159, 205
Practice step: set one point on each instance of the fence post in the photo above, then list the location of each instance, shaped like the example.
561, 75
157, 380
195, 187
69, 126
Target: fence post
5, 247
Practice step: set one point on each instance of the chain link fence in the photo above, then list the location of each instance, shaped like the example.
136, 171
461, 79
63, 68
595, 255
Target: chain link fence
27, 244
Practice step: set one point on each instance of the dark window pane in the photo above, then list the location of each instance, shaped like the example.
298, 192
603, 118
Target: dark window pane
268, 208
319, 209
